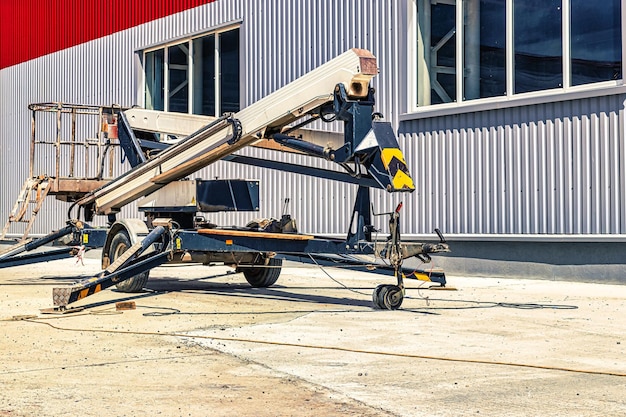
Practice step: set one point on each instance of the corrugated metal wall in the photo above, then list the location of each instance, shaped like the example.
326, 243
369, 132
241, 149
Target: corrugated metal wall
554, 168
546, 168
286, 41
100, 72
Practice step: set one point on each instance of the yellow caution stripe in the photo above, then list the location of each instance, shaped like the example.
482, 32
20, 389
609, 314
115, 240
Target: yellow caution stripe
88, 291
418, 275
394, 163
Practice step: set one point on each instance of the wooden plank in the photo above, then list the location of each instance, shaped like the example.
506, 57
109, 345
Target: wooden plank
75, 186
245, 233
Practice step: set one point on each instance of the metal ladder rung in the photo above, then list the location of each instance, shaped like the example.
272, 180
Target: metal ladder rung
41, 186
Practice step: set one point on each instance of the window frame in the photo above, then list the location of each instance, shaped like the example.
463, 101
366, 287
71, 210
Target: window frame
189, 41
511, 99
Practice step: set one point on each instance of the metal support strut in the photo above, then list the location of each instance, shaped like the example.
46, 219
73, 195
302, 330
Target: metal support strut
387, 296
129, 264
10, 256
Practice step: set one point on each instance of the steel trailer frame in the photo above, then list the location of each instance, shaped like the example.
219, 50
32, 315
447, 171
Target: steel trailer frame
369, 154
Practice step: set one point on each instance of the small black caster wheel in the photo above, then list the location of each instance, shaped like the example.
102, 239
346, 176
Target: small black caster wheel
387, 297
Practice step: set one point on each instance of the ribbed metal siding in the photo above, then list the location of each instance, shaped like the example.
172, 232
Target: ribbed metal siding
284, 40
100, 72
549, 168
555, 168
281, 41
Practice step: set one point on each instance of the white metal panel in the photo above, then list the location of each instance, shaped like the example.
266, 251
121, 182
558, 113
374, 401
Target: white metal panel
555, 168
544, 169
99, 72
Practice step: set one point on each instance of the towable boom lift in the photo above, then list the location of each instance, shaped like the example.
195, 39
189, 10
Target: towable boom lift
369, 153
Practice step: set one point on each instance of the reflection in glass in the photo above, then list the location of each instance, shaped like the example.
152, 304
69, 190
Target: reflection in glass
154, 80
204, 75
178, 81
484, 43
443, 50
229, 71
596, 41
537, 45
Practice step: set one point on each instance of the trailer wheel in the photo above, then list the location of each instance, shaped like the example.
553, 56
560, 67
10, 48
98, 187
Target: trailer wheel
262, 277
120, 244
387, 297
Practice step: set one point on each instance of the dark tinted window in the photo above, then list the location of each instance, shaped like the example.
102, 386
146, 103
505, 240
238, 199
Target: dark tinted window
443, 44
178, 80
537, 45
229, 71
154, 80
204, 76
491, 48
596, 46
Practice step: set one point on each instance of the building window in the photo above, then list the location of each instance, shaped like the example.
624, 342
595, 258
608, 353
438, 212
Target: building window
178, 78
596, 41
484, 45
538, 45
443, 53
473, 49
154, 64
199, 75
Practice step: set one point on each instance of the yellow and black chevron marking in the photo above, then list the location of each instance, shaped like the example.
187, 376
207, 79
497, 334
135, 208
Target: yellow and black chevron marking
421, 276
394, 163
430, 276
66, 295
88, 291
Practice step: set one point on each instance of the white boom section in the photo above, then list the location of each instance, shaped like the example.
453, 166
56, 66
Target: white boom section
182, 125
179, 124
354, 68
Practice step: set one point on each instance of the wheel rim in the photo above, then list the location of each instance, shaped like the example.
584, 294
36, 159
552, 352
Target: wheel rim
119, 250
388, 297
393, 297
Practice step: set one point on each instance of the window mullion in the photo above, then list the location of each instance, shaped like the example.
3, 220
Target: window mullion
424, 74
471, 49
145, 90
140, 78
412, 55
460, 73
166, 79
509, 49
190, 84
218, 93
566, 34
623, 39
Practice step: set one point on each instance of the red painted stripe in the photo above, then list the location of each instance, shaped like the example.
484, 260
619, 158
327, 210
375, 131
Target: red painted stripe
33, 28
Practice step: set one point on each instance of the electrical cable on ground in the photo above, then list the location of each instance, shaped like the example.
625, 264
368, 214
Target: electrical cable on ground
333, 348
477, 304
335, 280
490, 304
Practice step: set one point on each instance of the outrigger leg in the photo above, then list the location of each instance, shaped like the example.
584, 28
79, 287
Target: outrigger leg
129, 264
14, 255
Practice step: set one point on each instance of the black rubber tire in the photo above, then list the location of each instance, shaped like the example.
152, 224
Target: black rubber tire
394, 297
378, 296
387, 297
263, 277
120, 244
